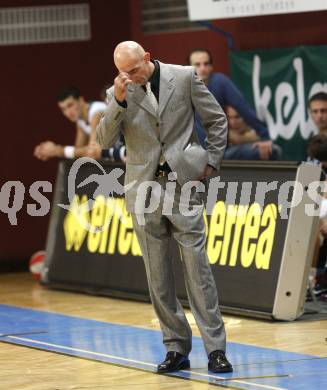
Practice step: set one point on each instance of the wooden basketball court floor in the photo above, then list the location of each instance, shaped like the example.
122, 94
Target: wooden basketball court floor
55, 340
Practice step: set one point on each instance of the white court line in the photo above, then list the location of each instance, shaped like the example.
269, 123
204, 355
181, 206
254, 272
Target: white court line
140, 362
231, 380
81, 350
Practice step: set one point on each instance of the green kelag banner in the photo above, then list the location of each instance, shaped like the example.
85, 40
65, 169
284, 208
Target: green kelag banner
278, 83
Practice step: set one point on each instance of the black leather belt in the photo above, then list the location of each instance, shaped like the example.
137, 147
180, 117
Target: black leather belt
163, 170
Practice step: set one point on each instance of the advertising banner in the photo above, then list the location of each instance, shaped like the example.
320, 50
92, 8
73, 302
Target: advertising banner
96, 250
222, 9
278, 83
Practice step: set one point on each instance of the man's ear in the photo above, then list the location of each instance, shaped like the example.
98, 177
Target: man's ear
147, 57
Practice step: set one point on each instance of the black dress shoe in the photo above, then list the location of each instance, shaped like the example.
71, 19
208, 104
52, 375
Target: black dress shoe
218, 362
174, 361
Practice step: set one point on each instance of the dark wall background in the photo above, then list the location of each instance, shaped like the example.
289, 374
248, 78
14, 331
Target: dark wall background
30, 78
31, 75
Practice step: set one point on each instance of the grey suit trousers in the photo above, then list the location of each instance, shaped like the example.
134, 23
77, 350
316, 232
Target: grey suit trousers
155, 241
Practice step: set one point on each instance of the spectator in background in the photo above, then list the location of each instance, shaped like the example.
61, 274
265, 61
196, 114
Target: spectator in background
318, 110
117, 153
226, 93
244, 142
86, 115
316, 146
317, 150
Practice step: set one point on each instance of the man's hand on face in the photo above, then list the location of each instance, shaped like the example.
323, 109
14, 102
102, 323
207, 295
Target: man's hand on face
265, 149
120, 86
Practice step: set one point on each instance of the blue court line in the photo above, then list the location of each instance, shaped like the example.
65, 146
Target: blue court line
133, 347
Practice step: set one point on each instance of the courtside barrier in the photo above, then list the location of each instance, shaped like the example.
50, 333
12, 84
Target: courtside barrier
260, 236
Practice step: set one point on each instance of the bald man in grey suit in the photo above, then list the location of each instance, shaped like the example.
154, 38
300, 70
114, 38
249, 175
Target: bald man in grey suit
152, 104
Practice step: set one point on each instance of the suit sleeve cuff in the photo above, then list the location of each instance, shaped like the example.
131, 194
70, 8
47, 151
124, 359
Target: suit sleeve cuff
122, 104
212, 162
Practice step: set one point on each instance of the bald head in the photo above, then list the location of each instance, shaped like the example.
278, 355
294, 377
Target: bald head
132, 59
128, 50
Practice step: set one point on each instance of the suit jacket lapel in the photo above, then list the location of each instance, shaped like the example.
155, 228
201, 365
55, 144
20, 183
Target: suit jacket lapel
140, 98
166, 87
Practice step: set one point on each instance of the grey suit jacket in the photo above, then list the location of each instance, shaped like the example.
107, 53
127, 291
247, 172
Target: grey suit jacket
171, 131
